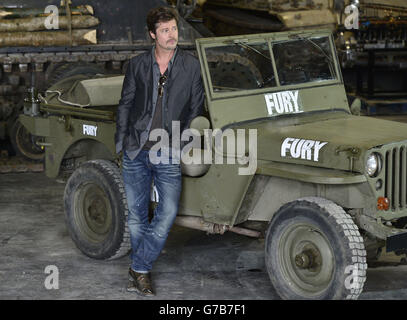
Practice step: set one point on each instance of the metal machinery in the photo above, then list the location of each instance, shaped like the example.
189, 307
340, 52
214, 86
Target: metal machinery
120, 35
373, 57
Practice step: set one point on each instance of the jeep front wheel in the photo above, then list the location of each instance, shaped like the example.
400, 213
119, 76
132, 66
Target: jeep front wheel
314, 251
96, 210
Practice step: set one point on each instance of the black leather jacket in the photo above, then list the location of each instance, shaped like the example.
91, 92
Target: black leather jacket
185, 97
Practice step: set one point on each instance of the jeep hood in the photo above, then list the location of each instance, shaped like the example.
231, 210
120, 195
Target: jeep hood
326, 140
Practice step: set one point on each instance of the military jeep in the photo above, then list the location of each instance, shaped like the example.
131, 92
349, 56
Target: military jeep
325, 187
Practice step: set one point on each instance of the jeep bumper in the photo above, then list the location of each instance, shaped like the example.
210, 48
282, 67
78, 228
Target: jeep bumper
397, 242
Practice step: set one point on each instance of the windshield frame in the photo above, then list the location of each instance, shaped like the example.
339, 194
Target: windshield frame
270, 39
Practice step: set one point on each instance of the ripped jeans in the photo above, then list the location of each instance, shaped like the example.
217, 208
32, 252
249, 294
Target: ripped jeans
148, 239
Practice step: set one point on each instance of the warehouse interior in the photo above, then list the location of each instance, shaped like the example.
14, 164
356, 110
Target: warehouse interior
40, 260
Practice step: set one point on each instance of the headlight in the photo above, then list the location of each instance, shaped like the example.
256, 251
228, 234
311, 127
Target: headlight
373, 164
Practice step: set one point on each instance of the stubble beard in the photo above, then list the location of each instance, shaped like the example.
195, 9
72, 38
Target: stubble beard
170, 46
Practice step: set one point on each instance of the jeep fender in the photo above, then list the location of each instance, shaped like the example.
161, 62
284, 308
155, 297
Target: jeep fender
82, 150
266, 194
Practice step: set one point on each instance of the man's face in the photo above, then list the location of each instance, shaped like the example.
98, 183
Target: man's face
166, 35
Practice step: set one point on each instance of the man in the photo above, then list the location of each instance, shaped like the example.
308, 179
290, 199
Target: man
160, 86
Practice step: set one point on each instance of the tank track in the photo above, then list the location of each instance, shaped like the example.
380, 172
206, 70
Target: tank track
19, 64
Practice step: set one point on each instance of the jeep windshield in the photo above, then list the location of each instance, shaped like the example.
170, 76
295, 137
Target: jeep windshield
241, 65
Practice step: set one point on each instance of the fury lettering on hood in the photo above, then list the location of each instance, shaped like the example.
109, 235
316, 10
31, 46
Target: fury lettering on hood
302, 148
282, 102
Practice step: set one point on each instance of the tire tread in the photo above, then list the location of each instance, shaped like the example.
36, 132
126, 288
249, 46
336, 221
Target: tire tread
112, 175
111, 169
350, 232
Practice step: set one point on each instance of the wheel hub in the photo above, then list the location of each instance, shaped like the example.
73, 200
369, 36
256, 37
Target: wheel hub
306, 259
309, 259
97, 211
93, 212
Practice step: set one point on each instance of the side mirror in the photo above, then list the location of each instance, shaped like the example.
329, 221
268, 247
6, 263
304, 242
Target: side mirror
200, 123
355, 107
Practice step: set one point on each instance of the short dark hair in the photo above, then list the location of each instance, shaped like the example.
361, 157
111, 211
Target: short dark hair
160, 14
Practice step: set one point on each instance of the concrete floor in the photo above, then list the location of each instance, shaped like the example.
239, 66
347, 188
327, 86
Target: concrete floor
193, 265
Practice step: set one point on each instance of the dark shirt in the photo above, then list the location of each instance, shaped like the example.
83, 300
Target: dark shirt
156, 123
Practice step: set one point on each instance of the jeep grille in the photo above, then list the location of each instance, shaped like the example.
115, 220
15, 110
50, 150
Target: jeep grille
395, 188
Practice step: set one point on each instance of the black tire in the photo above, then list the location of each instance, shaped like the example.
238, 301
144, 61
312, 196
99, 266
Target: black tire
96, 210
63, 70
24, 143
314, 250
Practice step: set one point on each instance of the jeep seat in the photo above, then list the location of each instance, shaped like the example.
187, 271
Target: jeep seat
197, 168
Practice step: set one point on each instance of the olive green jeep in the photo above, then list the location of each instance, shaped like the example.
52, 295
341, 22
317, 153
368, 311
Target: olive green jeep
324, 187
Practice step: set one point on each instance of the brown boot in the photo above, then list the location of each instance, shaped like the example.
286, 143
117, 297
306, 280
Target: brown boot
140, 283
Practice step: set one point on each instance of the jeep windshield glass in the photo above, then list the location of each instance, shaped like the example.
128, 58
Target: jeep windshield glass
240, 66
304, 60
245, 66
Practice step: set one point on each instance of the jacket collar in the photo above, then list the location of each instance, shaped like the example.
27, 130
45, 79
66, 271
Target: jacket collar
177, 66
170, 65
178, 63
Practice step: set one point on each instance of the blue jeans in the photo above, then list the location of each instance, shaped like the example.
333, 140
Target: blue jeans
148, 239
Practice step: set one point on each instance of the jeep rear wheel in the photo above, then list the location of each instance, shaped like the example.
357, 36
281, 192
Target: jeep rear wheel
24, 143
314, 251
96, 210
